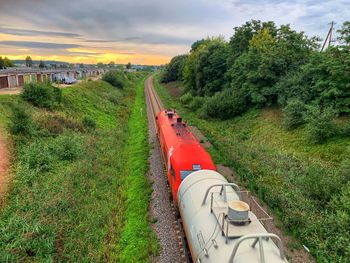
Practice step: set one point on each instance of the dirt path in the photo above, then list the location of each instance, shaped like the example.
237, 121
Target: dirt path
10, 91
4, 166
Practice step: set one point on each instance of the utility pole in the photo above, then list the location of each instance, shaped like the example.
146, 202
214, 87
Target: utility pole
329, 37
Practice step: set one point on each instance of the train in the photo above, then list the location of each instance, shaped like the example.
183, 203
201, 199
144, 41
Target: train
219, 225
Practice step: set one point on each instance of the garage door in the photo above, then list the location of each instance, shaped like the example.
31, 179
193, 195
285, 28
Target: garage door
4, 82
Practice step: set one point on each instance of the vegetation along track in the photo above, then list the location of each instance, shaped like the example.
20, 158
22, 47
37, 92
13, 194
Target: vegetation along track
4, 166
162, 208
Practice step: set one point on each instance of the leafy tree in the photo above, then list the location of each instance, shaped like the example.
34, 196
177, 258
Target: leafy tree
6, 63
2, 63
111, 64
345, 33
100, 65
29, 62
268, 59
204, 70
239, 42
128, 66
173, 71
42, 64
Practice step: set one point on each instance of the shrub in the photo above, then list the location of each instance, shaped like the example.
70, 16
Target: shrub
115, 78
38, 157
225, 105
21, 122
197, 103
346, 129
68, 147
320, 123
186, 99
89, 123
293, 114
42, 95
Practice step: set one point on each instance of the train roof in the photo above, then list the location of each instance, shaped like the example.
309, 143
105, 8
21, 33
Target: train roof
186, 149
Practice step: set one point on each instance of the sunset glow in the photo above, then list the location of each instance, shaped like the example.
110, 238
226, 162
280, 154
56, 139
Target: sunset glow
141, 32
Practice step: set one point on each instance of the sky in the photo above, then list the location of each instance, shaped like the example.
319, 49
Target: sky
144, 31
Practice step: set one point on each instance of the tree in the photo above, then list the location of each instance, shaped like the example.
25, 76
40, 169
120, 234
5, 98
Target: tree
2, 63
128, 66
42, 64
173, 71
239, 42
205, 68
100, 65
111, 64
6, 63
269, 58
345, 33
29, 62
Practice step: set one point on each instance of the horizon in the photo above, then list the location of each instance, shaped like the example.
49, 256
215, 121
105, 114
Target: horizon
143, 33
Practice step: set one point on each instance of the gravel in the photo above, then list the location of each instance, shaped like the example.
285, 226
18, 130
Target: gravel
161, 209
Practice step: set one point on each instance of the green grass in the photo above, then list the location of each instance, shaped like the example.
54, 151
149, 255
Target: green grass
305, 184
74, 190
138, 241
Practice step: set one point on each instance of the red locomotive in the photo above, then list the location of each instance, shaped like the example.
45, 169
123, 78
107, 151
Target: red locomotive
182, 153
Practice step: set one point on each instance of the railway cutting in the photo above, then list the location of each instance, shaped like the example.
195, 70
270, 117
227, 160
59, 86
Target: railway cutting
216, 220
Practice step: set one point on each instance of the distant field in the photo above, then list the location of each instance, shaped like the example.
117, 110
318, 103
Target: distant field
303, 183
79, 191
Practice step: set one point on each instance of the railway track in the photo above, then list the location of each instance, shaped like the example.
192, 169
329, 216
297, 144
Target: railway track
156, 106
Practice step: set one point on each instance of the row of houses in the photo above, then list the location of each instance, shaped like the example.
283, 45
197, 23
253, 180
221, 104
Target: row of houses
17, 77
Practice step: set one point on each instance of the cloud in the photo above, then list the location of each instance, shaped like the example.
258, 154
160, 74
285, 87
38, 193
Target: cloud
155, 27
27, 32
38, 45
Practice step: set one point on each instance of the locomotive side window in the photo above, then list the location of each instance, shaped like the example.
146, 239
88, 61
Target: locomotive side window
173, 172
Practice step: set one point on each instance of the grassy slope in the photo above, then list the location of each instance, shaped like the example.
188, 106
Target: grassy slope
70, 197
284, 170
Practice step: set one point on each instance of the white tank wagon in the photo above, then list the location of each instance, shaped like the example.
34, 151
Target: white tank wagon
219, 226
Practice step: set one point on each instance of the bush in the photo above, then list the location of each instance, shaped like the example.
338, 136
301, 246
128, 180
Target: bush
186, 99
225, 105
68, 147
115, 78
346, 129
197, 103
320, 124
42, 95
89, 123
294, 114
21, 122
38, 157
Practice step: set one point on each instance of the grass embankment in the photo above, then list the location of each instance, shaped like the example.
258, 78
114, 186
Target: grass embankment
298, 180
76, 179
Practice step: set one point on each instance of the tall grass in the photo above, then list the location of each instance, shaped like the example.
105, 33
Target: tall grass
70, 197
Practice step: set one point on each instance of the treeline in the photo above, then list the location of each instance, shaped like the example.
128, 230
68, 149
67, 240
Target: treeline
264, 65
